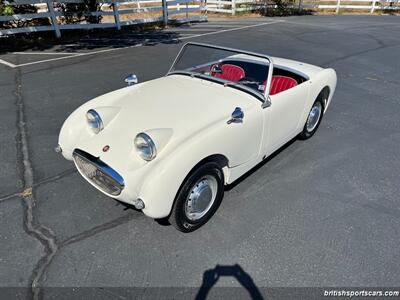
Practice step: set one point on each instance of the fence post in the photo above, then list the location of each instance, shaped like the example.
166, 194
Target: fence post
53, 17
165, 12
373, 7
233, 7
337, 6
116, 13
203, 6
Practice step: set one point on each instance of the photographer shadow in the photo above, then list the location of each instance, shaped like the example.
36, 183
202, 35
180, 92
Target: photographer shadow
211, 277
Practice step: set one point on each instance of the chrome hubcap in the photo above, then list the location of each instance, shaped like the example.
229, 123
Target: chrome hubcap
201, 198
314, 116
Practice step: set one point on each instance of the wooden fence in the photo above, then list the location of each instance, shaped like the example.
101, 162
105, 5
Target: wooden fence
235, 6
119, 13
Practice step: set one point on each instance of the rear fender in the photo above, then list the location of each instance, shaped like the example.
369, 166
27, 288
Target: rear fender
323, 79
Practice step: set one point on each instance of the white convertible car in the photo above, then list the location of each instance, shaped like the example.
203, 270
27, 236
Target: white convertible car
169, 146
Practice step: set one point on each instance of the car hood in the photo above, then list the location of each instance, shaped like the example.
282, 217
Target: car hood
171, 109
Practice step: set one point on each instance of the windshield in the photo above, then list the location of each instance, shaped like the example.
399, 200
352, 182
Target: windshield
232, 68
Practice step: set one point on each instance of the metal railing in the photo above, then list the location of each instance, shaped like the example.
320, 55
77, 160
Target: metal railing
118, 13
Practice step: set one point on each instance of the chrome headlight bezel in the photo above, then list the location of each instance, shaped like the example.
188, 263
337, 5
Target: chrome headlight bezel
94, 121
145, 146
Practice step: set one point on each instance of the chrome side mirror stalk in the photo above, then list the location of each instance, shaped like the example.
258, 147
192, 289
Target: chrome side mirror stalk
131, 79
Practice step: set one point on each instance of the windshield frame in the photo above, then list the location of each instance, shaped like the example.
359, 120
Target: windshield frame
263, 97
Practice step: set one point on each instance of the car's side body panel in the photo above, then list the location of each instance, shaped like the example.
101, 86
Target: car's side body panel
285, 112
318, 79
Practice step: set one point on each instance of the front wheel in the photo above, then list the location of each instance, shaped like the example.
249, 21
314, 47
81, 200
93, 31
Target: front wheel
198, 198
313, 120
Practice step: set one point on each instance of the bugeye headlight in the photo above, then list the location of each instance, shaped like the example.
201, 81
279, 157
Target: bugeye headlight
145, 146
94, 121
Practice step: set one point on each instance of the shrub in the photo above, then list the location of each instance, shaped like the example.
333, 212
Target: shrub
282, 8
5, 8
78, 12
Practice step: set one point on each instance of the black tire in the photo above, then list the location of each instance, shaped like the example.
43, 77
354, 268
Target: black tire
178, 217
307, 133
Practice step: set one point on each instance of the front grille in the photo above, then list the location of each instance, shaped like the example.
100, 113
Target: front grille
97, 172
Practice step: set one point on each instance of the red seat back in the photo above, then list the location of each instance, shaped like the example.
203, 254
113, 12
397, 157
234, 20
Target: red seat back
281, 83
230, 72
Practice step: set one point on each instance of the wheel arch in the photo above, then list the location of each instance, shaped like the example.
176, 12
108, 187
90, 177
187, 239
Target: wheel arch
220, 159
168, 189
325, 86
324, 95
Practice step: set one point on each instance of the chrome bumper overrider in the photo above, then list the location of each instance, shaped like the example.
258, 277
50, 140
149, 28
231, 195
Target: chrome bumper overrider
97, 172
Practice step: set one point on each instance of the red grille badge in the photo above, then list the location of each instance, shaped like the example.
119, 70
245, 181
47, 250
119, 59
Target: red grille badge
106, 148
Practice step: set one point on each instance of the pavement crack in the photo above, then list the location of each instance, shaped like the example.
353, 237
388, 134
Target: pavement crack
56, 177
95, 230
9, 196
328, 63
28, 190
30, 224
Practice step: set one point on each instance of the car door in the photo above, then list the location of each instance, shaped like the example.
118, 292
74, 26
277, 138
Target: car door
283, 116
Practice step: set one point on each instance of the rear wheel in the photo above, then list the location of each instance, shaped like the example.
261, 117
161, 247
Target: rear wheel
313, 120
198, 198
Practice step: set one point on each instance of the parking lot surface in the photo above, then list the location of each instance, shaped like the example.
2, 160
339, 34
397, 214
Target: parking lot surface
324, 212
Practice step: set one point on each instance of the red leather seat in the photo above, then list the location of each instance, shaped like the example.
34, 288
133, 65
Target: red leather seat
230, 72
281, 83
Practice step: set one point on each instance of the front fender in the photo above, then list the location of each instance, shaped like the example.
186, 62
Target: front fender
239, 143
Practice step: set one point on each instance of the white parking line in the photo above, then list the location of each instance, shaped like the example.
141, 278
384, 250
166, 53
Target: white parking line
77, 55
138, 45
43, 53
7, 63
232, 29
186, 34
228, 23
217, 25
189, 30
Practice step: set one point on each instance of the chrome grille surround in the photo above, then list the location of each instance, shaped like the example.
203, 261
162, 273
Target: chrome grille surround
101, 175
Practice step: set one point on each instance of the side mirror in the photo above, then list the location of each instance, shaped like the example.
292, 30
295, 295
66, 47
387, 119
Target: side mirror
131, 79
237, 116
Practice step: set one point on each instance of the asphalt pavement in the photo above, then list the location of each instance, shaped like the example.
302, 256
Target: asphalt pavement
320, 213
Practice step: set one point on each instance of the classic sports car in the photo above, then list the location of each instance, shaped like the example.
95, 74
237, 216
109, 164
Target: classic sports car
169, 146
